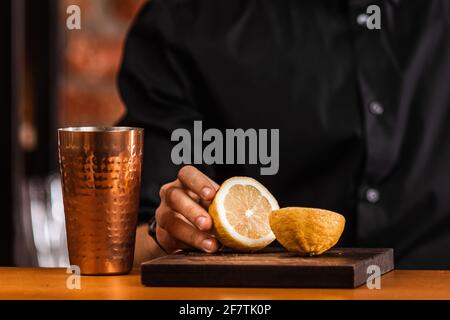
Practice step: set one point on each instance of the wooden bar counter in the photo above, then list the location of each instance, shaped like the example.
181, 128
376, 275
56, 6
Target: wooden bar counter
43, 283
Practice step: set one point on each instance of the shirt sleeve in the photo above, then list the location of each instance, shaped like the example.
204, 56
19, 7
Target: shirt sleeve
155, 87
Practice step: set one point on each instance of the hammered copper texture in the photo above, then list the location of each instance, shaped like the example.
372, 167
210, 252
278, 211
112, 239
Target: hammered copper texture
101, 174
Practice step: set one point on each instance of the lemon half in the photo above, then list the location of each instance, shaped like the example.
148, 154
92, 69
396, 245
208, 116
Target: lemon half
307, 231
240, 211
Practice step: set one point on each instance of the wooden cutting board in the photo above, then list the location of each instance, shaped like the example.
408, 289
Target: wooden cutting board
337, 268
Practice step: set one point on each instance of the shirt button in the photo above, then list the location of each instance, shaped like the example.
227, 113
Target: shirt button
361, 19
372, 195
376, 108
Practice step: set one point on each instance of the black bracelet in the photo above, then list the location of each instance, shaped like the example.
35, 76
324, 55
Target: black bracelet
152, 232
152, 228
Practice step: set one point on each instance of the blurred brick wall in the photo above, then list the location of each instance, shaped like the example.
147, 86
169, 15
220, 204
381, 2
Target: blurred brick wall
91, 61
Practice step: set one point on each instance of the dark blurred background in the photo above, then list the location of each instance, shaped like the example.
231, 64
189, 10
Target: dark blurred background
50, 77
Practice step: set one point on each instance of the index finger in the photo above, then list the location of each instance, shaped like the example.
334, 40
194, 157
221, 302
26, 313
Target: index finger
194, 180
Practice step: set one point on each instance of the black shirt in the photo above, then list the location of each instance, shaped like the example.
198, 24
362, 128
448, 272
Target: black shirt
363, 114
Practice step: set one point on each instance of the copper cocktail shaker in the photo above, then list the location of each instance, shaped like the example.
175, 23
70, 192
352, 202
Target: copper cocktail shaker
101, 175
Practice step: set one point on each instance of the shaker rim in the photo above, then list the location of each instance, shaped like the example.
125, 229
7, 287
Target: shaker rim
107, 129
